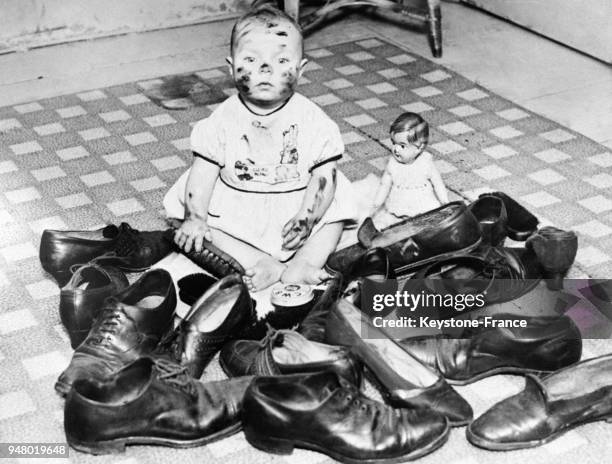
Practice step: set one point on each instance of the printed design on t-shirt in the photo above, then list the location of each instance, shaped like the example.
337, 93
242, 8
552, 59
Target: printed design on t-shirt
272, 173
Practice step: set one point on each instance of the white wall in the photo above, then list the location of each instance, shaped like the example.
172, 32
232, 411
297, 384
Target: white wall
28, 23
585, 25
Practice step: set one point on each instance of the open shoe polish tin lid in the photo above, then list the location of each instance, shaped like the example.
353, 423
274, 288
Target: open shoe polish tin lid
290, 295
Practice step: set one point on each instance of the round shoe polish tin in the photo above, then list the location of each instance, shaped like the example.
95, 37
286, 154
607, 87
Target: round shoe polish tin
291, 295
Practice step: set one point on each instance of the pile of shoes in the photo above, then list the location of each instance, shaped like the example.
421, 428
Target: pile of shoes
134, 376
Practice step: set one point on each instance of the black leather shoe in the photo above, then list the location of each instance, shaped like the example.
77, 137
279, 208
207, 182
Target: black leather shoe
284, 352
212, 259
556, 250
218, 315
547, 407
129, 327
151, 403
82, 298
490, 212
545, 345
313, 325
373, 264
193, 286
410, 244
521, 223
325, 413
498, 274
124, 247
403, 380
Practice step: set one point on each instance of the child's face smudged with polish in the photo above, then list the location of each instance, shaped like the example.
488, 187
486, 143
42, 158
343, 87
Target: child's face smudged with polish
266, 63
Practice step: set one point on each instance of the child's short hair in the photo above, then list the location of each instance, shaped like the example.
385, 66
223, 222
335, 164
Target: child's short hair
414, 124
266, 14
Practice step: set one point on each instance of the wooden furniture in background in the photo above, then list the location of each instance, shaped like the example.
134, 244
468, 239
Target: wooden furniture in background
425, 12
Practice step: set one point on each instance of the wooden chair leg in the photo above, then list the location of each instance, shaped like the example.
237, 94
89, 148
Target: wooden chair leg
434, 32
292, 8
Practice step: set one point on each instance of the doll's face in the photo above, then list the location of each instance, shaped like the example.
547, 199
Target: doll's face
267, 62
404, 150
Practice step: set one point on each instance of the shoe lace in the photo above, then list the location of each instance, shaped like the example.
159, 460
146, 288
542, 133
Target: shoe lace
354, 399
107, 323
273, 337
128, 240
175, 375
171, 344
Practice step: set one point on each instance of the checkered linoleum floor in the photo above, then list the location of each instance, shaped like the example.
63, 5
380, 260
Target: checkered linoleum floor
108, 155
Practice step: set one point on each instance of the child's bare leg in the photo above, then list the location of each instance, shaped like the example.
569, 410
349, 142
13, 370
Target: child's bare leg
306, 266
261, 269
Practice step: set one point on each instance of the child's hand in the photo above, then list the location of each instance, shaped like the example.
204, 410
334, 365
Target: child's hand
295, 232
191, 234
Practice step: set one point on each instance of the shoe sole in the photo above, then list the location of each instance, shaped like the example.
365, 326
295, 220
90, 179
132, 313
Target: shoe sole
62, 388
495, 446
496, 371
417, 264
285, 446
118, 445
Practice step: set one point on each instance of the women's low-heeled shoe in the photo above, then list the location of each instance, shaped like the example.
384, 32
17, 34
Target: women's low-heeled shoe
284, 352
216, 317
547, 407
545, 345
556, 250
325, 413
193, 286
521, 223
415, 242
151, 402
393, 369
82, 298
490, 212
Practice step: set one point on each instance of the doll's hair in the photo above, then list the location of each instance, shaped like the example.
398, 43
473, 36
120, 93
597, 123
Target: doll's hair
268, 16
414, 124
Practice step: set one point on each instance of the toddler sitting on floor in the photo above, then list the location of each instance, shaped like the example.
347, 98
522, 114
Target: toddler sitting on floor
263, 185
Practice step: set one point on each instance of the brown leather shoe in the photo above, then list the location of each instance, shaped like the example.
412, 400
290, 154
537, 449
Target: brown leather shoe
284, 352
414, 242
122, 246
216, 317
403, 380
129, 327
325, 413
545, 345
151, 403
82, 298
547, 407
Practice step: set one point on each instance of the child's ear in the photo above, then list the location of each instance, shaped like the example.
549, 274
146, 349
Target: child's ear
301, 66
230, 65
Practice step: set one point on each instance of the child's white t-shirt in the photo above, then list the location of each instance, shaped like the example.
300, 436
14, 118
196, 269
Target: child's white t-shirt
271, 153
266, 163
